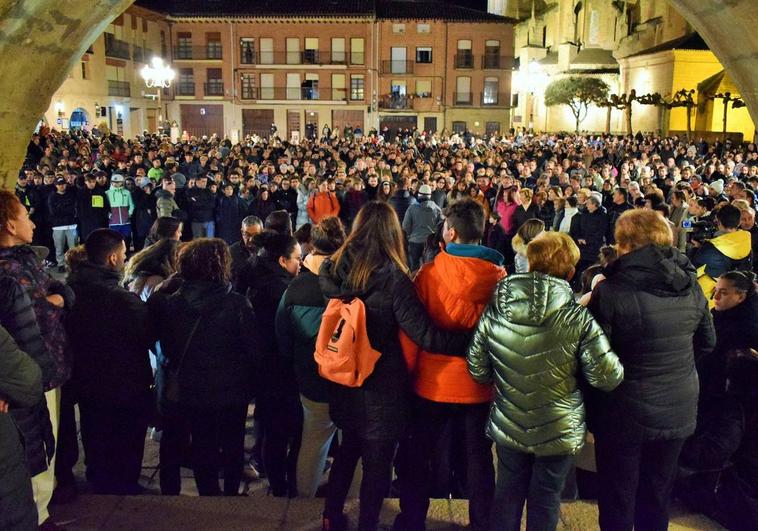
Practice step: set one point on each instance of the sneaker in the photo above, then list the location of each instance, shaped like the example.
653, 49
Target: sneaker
338, 523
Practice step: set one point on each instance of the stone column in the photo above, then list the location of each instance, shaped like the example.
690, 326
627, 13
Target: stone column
40, 42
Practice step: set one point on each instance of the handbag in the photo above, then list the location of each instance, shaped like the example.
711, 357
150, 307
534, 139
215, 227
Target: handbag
168, 385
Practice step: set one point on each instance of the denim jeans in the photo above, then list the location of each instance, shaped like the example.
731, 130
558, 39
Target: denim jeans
318, 431
536, 480
63, 239
415, 252
203, 229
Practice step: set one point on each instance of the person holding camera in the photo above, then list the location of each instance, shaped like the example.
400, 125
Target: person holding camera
729, 249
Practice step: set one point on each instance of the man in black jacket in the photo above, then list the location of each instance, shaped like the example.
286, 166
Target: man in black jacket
589, 230
110, 334
202, 204
62, 211
92, 207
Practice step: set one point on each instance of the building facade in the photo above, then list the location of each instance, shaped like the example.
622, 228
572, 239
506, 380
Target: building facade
241, 69
640, 45
106, 88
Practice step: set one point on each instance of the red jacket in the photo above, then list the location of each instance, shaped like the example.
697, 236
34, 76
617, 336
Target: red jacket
322, 205
455, 291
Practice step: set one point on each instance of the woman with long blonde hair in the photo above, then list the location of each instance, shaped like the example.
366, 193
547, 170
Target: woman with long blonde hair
371, 265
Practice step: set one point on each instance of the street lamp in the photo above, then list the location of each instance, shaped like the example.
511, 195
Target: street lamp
157, 74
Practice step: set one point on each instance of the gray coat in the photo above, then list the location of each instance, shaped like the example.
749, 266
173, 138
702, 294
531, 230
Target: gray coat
420, 220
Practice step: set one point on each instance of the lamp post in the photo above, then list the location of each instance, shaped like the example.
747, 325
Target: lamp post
158, 75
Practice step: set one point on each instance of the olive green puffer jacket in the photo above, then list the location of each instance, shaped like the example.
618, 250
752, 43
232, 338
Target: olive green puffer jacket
532, 340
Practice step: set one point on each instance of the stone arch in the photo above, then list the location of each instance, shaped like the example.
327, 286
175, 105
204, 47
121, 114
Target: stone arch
41, 40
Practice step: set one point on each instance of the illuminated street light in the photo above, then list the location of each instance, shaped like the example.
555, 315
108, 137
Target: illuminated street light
157, 74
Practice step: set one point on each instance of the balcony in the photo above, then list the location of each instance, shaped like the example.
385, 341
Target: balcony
396, 102
119, 88
494, 99
397, 67
496, 62
464, 60
185, 88
209, 52
116, 48
293, 93
249, 56
213, 88
463, 99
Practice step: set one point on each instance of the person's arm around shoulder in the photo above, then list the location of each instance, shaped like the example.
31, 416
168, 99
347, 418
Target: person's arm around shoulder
600, 365
478, 358
413, 319
20, 376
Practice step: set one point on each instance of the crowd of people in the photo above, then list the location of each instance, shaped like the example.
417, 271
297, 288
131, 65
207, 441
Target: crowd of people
585, 303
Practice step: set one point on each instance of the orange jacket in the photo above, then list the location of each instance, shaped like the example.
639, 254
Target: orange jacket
455, 291
323, 205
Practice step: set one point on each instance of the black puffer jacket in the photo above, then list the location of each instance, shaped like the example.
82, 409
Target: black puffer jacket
62, 208
109, 333
658, 322
591, 227
219, 366
379, 409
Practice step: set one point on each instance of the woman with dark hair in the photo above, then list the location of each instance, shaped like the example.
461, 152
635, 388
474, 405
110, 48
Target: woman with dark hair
297, 325
277, 406
262, 205
372, 266
719, 464
165, 228
209, 340
658, 322
151, 266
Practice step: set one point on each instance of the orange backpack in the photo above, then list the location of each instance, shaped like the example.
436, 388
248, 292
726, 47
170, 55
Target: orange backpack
343, 351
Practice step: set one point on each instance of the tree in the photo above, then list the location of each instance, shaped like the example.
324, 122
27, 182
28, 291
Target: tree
578, 93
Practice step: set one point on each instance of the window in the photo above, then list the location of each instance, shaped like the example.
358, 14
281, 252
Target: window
186, 85
492, 54
163, 44
490, 94
492, 128
463, 90
338, 87
267, 86
423, 28
310, 55
247, 51
459, 127
213, 44
357, 56
423, 88
464, 57
293, 86
293, 51
309, 88
398, 64
357, 84
248, 86
424, 55
398, 28
184, 46
338, 50
267, 51
85, 73
214, 85
144, 25
514, 100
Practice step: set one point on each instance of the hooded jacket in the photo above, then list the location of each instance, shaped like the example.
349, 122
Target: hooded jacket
533, 341
380, 408
165, 203
322, 205
455, 288
110, 358
21, 387
421, 220
724, 253
658, 322
297, 324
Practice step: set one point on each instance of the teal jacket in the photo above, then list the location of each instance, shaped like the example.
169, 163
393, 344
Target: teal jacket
532, 341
